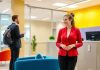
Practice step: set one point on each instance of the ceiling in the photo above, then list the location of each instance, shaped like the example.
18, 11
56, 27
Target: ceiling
43, 14
49, 3
83, 4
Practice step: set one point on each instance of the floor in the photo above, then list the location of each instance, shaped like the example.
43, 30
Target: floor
4, 66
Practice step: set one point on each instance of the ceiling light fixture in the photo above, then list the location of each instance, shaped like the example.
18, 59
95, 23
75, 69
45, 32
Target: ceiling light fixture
33, 17
72, 6
39, 0
59, 4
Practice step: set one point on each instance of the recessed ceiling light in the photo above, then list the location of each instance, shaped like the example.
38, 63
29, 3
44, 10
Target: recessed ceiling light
69, 6
39, 0
72, 6
59, 4
33, 17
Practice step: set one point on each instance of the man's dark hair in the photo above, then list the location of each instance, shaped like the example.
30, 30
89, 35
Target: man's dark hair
14, 17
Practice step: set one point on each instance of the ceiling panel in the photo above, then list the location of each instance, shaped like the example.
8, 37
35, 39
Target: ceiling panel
49, 3
81, 5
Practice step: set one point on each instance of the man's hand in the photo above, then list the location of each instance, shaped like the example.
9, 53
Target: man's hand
22, 35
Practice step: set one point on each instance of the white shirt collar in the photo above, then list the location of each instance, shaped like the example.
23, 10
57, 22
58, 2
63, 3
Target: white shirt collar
14, 22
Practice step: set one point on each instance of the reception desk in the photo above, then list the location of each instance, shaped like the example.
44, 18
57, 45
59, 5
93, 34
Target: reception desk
89, 55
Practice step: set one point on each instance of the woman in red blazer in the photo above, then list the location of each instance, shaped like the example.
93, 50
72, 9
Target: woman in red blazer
68, 41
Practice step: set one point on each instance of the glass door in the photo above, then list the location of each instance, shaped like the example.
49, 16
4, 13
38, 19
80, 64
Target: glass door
5, 20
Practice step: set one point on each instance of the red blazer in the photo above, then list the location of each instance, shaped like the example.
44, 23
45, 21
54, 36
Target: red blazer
74, 38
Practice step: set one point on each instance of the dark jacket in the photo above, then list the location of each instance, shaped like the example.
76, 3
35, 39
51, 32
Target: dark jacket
16, 36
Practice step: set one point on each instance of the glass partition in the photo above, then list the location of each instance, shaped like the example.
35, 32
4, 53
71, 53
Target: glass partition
5, 20
41, 22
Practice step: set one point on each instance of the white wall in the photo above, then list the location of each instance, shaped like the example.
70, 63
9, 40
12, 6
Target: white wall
42, 30
59, 26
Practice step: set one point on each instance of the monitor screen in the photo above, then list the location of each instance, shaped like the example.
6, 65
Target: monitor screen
93, 35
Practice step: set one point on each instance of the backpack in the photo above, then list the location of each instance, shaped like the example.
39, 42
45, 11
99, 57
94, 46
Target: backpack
7, 40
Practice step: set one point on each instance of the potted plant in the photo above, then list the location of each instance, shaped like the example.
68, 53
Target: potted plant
51, 38
33, 43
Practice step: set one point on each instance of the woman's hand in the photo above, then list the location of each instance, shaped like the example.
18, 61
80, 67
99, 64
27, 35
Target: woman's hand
63, 46
69, 47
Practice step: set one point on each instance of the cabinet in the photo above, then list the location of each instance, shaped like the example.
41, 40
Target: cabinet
89, 55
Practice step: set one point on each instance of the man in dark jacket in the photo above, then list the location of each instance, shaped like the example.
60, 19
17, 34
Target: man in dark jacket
16, 38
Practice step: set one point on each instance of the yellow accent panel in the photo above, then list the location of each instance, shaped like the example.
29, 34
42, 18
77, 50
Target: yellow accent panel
17, 7
87, 17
